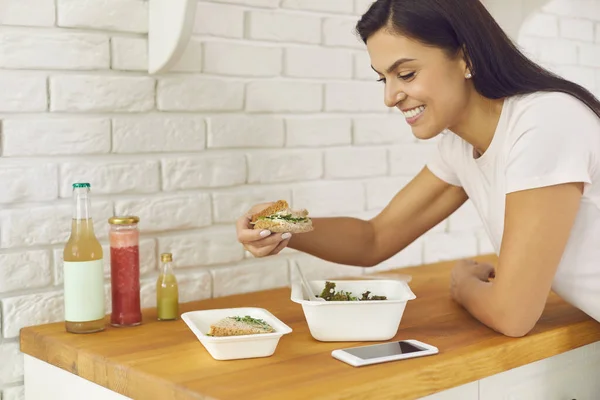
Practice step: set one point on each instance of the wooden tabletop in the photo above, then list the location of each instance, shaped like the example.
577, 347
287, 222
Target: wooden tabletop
164, 360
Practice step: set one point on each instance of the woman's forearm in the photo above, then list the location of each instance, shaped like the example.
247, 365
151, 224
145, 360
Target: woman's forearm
341, 240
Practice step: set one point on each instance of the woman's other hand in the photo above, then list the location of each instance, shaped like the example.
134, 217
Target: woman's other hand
465, 270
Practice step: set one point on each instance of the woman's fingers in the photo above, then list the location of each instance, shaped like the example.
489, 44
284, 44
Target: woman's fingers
282, 245
245, 232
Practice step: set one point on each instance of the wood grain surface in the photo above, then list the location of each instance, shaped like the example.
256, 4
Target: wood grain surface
164, 360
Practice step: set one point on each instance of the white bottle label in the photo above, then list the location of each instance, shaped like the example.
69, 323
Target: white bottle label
84, 290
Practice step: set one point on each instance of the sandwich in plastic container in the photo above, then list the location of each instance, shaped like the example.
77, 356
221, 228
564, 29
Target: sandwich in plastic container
256, 335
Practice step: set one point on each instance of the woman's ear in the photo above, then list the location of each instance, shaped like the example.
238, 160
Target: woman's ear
464, 55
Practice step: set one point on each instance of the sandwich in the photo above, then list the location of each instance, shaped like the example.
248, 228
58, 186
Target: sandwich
234, 326
281, 218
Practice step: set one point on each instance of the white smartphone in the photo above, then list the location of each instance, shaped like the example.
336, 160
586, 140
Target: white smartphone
384, 352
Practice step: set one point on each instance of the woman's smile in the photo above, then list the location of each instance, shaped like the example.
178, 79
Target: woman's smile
412, 115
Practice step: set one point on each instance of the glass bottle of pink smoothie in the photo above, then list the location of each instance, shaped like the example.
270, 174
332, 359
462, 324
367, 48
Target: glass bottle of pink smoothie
125, 271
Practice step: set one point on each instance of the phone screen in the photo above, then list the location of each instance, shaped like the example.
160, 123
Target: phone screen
383, 350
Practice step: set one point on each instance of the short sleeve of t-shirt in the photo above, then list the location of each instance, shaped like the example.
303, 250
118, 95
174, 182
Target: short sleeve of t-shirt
439, 162
552, 143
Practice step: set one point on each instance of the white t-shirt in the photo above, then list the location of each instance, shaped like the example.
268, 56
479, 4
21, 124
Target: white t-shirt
542, 139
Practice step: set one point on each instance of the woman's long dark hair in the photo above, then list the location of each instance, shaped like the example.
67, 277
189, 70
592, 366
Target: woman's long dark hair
499, 68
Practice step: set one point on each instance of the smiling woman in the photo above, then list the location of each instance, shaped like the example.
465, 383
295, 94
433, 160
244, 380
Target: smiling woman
520, 142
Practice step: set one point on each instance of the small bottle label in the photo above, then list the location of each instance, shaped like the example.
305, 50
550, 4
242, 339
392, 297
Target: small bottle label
84, 290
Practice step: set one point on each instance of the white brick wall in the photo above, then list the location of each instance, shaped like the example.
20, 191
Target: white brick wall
199, 93
250, 276
273, 99
283, 27
308, 131
284, 166
330, 197
184, 173
168, 212
29, 309
18, 12
380, 191
573, 8
41, 136
155, 134
577, 29
409, 158
564, 36
229, 204
28, 183
382, 130
111, 178
334, 6
584, 76
25, 270
242, 131
129, 53
11, 368
211, 246
88, 93
284, 96
117, 15
25, 50
257, 60
23, 92
340, 32
14, 393
356, 162
541, 25
354, 96
318, 62
219, 20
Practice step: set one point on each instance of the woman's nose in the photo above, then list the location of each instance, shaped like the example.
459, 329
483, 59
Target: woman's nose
393, 95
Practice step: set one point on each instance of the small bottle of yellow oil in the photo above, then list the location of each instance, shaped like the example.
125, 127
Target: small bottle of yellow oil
167, 291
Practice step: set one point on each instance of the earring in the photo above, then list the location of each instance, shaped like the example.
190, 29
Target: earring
468, 75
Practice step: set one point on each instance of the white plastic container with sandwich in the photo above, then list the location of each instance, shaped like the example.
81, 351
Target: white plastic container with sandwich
240, 346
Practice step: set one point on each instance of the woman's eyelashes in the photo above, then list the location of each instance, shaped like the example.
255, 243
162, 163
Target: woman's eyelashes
404, 77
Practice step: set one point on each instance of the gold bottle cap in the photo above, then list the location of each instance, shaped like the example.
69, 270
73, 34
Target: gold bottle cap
124, 220
166, 257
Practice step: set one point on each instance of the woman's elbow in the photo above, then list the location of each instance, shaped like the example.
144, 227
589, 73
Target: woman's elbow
514, 332
515, 327
369, 262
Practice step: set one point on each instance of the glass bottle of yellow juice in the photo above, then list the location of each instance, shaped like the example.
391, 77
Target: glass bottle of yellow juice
167, 290
83, 269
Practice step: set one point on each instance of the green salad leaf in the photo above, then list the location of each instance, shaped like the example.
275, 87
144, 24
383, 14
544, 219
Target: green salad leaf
330, 294
286, 217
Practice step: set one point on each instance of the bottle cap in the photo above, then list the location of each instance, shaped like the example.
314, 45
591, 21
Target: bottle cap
166, 257
124, 220
81, 185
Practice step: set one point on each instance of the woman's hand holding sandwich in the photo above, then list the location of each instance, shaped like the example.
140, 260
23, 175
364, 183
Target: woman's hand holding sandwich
260, 242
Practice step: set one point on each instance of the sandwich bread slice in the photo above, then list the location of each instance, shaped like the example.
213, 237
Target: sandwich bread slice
281, 218
235, 326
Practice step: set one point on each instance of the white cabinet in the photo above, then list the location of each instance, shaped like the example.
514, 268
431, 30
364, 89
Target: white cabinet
470, 391
574, 375
567, 376
44, 381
